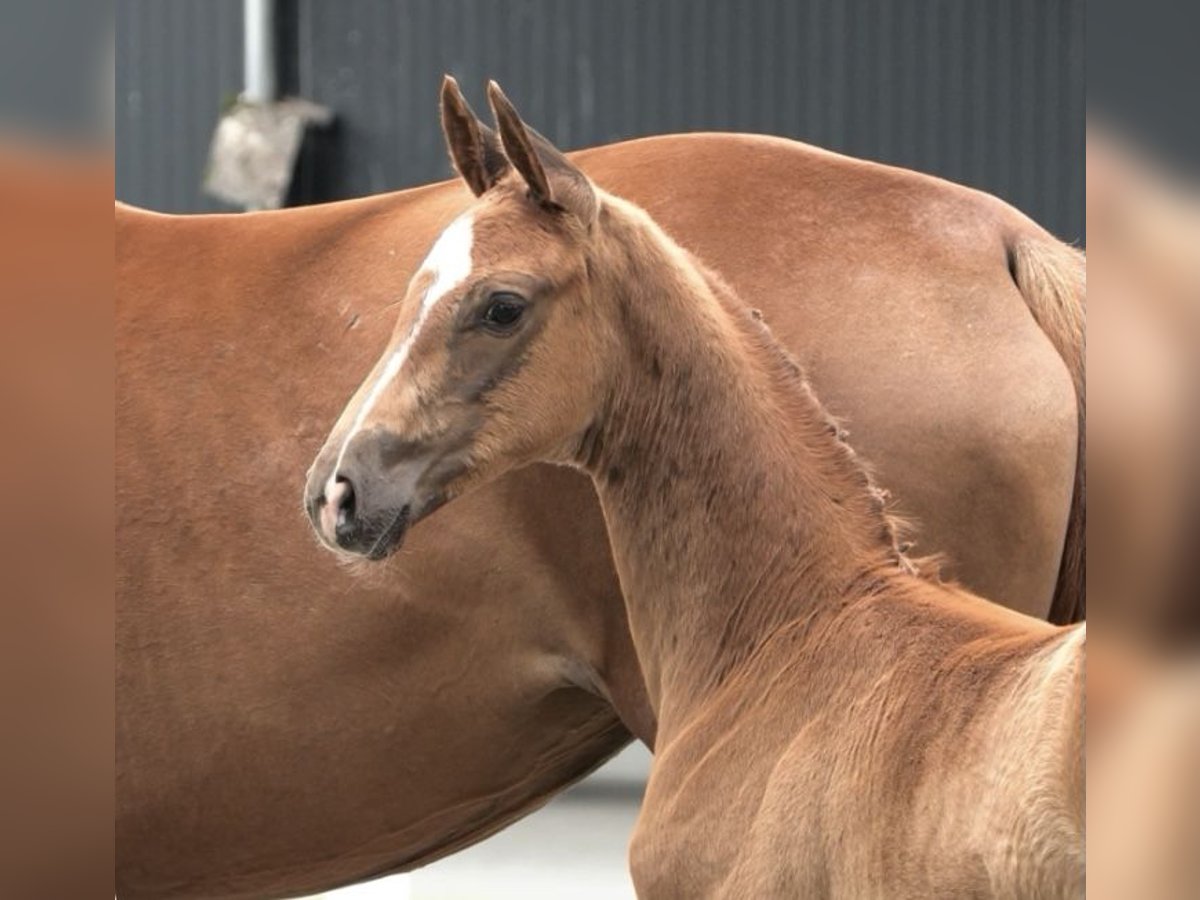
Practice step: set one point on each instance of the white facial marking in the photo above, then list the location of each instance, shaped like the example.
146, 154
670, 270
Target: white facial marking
450, 263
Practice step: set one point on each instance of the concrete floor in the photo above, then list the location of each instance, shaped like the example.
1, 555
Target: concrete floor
573, 848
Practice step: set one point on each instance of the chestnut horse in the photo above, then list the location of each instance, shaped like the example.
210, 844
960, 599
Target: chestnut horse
286, 724
832, 722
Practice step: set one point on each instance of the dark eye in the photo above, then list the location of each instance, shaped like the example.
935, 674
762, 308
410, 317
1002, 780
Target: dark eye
503, 311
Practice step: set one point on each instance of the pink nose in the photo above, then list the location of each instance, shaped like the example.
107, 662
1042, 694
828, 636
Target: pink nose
338, 508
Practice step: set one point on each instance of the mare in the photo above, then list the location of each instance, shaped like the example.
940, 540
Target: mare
287, 724
832, 721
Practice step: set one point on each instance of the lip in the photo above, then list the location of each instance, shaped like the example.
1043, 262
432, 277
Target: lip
392, 537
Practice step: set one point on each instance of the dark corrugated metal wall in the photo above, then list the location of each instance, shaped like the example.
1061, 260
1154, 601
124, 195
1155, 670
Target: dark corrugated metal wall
178, 63
989, 93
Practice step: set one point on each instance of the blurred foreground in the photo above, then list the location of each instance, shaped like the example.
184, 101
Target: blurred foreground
1144, 506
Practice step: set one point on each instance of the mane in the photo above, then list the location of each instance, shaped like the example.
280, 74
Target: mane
830, 435
897, 530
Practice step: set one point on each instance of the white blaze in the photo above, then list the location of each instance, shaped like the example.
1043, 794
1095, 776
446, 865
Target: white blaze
450, 263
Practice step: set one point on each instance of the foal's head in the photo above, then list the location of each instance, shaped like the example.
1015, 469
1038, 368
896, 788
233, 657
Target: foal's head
496, 359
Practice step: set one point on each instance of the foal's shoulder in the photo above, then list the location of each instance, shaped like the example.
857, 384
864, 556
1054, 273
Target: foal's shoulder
945, 627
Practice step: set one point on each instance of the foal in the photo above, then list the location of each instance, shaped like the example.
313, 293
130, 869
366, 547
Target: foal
831, 723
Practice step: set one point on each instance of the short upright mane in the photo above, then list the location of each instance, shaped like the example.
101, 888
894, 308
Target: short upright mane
806, 406
897, 529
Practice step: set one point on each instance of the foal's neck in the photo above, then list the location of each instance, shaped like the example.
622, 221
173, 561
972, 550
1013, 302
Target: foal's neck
732, 504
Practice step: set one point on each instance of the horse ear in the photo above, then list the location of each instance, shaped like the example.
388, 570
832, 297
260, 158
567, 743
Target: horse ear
553, 180
473, 147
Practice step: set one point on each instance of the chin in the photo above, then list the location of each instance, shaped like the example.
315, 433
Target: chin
379, 545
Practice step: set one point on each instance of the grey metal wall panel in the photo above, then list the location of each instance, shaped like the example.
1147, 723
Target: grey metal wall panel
177, 63
986, 92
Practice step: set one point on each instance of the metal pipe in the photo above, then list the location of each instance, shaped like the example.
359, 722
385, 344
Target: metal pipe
258, 36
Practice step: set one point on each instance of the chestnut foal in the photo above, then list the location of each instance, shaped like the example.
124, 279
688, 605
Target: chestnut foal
831, 722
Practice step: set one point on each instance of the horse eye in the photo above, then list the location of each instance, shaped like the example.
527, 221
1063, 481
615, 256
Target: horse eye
503, 311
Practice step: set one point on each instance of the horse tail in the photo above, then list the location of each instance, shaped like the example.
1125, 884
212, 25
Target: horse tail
1051, 277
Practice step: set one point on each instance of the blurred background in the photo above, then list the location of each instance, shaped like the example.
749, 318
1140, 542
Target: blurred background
986, 94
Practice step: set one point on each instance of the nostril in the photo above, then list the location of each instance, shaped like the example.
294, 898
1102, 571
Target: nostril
346, 490
340, 502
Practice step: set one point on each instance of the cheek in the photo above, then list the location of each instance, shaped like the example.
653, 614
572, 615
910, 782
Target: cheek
536, 405
483, 363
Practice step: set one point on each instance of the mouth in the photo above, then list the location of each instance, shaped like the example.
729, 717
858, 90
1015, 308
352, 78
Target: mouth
391, 538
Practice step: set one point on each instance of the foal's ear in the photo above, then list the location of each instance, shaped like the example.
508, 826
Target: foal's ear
553, 180
473, 146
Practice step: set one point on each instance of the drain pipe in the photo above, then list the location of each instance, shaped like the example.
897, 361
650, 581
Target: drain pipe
259, 51
253, 154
